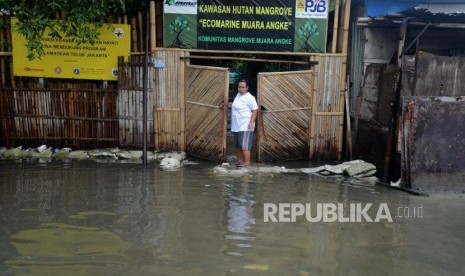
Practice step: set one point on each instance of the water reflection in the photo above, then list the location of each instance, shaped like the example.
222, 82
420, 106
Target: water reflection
239, 201
86, 218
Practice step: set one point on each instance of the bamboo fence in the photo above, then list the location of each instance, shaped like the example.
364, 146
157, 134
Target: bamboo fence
130, 103
77, 118
328, 110
84, 114
67, 112
169, 101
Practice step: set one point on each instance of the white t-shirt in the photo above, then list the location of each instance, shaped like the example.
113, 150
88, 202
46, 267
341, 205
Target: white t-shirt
241, 111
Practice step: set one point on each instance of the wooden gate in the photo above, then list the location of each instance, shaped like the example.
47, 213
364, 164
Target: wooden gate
205, 89
285, 100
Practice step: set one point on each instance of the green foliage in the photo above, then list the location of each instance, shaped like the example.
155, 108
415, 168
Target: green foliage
332, 5
177, 26
82, 19
306, 31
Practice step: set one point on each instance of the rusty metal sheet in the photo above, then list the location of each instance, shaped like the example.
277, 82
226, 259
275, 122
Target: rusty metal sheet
433, 149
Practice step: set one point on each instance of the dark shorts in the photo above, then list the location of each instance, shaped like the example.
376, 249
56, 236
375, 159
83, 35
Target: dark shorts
243, 139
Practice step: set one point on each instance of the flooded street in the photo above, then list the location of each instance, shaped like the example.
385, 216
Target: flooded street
91, 218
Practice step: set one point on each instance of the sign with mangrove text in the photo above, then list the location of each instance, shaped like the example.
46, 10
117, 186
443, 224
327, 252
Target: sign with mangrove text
259, 25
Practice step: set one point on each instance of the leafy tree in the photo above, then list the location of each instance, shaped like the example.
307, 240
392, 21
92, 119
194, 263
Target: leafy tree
306, 31
177, 26
82, 19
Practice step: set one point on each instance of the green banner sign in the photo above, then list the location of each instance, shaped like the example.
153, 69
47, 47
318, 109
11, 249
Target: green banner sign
257, 25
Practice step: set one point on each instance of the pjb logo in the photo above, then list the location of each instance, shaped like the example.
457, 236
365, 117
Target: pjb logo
312, 9
318, 6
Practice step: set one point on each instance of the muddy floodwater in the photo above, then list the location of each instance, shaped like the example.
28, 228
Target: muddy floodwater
94, 218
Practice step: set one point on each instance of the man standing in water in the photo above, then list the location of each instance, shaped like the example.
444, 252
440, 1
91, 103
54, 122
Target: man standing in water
243, 114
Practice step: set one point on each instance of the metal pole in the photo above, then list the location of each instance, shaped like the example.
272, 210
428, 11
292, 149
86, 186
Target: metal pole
145, 79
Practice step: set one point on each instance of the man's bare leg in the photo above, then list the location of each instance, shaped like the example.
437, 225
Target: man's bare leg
239, 155
246, 154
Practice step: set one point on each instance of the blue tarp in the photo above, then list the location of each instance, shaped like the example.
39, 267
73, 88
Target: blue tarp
381, 8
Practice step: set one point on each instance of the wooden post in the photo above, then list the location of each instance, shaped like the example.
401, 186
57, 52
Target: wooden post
153, 30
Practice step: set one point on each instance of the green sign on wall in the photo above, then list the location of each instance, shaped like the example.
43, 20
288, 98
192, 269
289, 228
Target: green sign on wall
260, 25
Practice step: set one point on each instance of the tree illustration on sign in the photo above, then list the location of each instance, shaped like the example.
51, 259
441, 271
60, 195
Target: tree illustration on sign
306, 31
177, 26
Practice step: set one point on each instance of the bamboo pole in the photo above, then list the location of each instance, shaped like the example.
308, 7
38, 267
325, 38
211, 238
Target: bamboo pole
182, 91
335, 27
345, 39
153, 30
3, 68
250, 59
314, 112
349, 128
345, 42
2, 59
312, 117
304, 54
145, 91
156, 118
341, 25
260, 134
225, 117
140, 24
134, 34
10, 49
